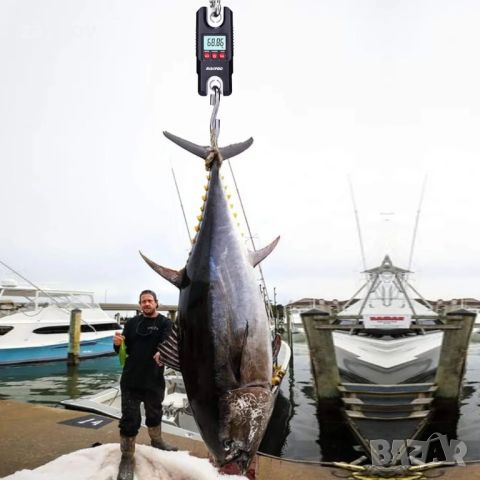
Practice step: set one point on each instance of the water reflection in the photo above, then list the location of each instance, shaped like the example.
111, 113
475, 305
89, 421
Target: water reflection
335, 439
49, 383
278, 430
73, 378
301, 428
458, 420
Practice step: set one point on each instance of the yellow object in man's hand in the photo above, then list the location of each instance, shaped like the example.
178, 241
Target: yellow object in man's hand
122, 354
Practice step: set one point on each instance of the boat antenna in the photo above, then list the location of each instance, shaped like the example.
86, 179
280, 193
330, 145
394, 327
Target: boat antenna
417, 218
181, 205
357, 220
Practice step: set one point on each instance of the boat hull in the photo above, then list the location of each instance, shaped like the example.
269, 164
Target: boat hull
388, 361
55, 352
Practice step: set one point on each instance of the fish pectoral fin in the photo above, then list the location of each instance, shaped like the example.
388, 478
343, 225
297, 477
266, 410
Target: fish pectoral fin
175, 277
259, 255
169, 350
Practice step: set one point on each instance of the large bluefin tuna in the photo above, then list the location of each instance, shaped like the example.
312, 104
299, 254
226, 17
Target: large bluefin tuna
222, 343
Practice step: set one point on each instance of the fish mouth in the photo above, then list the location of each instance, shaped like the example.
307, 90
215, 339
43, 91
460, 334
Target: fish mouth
242, 458
245, 413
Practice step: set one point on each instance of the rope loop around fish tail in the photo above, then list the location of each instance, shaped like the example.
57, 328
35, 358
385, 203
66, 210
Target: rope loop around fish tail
214, 155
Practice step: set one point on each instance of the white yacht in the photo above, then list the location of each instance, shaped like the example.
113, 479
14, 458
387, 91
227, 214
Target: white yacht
392, 338
34, 324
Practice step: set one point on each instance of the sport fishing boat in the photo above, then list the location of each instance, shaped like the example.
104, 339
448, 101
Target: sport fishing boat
392, 337
34, 324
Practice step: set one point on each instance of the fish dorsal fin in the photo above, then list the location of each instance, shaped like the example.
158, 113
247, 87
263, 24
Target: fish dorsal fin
257, 256
175, 277
169, 350
203, 151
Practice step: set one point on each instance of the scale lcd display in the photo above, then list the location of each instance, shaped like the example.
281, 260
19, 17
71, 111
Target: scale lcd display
215, 42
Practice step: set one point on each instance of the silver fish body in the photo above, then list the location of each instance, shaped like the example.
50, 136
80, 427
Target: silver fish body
224, 340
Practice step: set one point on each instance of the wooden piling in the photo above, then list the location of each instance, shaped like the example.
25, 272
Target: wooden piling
322, 353
453, 353
74, 337
173, 315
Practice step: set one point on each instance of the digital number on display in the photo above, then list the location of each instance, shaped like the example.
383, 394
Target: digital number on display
214, 42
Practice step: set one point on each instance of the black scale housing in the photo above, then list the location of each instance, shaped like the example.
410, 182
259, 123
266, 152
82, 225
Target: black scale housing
223, 68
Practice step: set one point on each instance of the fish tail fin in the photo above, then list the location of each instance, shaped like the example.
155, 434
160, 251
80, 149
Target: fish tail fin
235, 149
203, 151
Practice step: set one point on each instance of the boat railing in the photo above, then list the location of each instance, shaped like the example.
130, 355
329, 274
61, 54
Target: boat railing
31, 302
353, 324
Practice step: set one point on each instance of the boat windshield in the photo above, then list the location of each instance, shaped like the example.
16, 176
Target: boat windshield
15, 298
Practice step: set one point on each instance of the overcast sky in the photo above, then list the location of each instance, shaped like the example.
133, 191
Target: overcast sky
386, 92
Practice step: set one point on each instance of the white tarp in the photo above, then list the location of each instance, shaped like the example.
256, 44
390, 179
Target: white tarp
101, 463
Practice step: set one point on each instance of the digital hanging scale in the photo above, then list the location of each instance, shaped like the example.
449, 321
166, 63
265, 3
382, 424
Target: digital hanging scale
214, 50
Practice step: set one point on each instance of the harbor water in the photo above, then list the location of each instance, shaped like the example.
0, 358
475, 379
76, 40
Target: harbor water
299, 428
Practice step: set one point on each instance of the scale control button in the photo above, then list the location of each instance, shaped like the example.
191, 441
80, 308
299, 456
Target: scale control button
222, 55
214, 55
206, 55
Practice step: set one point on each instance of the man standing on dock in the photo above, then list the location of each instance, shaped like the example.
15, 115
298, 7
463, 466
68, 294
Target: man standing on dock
142, 379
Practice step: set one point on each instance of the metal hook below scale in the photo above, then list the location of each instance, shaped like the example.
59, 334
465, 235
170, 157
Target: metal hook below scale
214, 121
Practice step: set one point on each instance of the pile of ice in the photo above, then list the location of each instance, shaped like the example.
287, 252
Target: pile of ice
101, 463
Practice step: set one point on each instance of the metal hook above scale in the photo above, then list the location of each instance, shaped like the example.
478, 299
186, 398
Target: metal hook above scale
215, 13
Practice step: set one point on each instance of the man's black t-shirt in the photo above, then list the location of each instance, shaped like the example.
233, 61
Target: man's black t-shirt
142, 336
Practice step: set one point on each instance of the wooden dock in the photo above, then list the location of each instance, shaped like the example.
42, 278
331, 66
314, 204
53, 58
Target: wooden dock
33, 435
